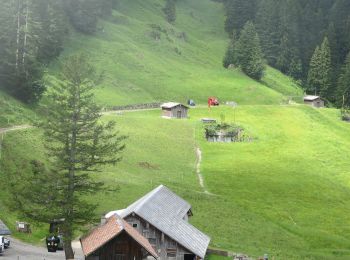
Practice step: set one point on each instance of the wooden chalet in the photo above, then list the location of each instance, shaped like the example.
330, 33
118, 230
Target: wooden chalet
116, 240
314, 101
174, 110
161, 217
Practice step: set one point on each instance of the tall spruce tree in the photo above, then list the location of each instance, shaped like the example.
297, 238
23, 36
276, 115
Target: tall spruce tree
230, 57
78, 144
343, 89
319, 76
249, 53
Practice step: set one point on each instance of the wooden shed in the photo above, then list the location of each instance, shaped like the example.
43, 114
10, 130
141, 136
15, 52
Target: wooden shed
174, 110
161, 217
116, 240
314, 101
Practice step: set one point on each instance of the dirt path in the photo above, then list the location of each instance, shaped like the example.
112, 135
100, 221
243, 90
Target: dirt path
14, 128
198, 171
22, 251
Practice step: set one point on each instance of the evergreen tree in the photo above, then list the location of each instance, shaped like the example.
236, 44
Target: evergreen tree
78, 143
313, 78
268, 23
343, 89
238, 13
319, 76
83, 14
249, 54
170, 10
325, 69
230, 55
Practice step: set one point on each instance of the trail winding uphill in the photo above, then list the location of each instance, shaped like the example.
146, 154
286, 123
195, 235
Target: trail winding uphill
14, 128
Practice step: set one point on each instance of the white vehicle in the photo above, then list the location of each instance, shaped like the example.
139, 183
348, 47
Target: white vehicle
6, 242
2, 244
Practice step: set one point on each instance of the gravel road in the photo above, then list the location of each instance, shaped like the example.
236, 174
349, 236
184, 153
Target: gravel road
21, 251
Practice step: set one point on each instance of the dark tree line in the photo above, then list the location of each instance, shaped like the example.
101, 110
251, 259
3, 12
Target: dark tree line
306, 39
32, 33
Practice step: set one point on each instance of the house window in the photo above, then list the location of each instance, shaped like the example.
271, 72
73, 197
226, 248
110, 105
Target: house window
171, 253
134, 225
152, 241
145, 233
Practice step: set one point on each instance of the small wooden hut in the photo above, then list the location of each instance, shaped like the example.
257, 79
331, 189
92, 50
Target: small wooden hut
174, 110
116, 239
314, 101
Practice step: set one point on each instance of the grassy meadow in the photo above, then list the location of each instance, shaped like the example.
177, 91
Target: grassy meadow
287, 193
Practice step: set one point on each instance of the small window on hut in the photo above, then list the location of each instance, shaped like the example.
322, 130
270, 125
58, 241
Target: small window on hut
152, 241
134, 225
145, 233
171, 253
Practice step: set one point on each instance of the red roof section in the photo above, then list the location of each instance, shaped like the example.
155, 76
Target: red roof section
101, 235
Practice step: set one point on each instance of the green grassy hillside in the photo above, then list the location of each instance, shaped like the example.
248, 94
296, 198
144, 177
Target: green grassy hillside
12, 112
286, 193
146, 59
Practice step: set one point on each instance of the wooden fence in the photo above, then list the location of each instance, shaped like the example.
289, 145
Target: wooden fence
137, 106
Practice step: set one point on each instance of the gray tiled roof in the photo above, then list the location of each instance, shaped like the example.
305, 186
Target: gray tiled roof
4, 231
166, 211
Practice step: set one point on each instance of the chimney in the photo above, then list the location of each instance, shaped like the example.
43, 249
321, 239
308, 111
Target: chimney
103, 219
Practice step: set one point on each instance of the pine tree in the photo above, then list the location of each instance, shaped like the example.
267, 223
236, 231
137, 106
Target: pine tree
313, 78
268, 25
319, 76
249, 54
230, 55
78, 143
170, 11
325, 69
239, 12
343, 88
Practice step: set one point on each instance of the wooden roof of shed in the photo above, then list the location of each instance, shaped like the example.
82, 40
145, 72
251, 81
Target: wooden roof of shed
165, 210
114, 226
311, 98
172, 105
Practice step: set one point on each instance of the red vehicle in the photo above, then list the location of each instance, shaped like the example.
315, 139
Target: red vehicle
213, 101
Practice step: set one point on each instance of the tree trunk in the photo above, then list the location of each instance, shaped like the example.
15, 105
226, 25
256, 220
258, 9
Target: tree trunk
25, 36
71, 176
18, 32
68, 250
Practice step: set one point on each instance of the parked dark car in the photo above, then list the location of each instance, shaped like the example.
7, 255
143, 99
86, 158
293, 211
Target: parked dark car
52, 243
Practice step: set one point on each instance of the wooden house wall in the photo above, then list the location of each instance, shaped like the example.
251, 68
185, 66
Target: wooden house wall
167, 248
173, 112
315, 103
123, 247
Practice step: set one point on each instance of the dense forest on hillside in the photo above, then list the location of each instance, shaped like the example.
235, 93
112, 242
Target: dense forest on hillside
308, 40
32, 33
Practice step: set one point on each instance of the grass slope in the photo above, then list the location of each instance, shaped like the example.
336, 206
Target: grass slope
12, 112
185, 62
286, 193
